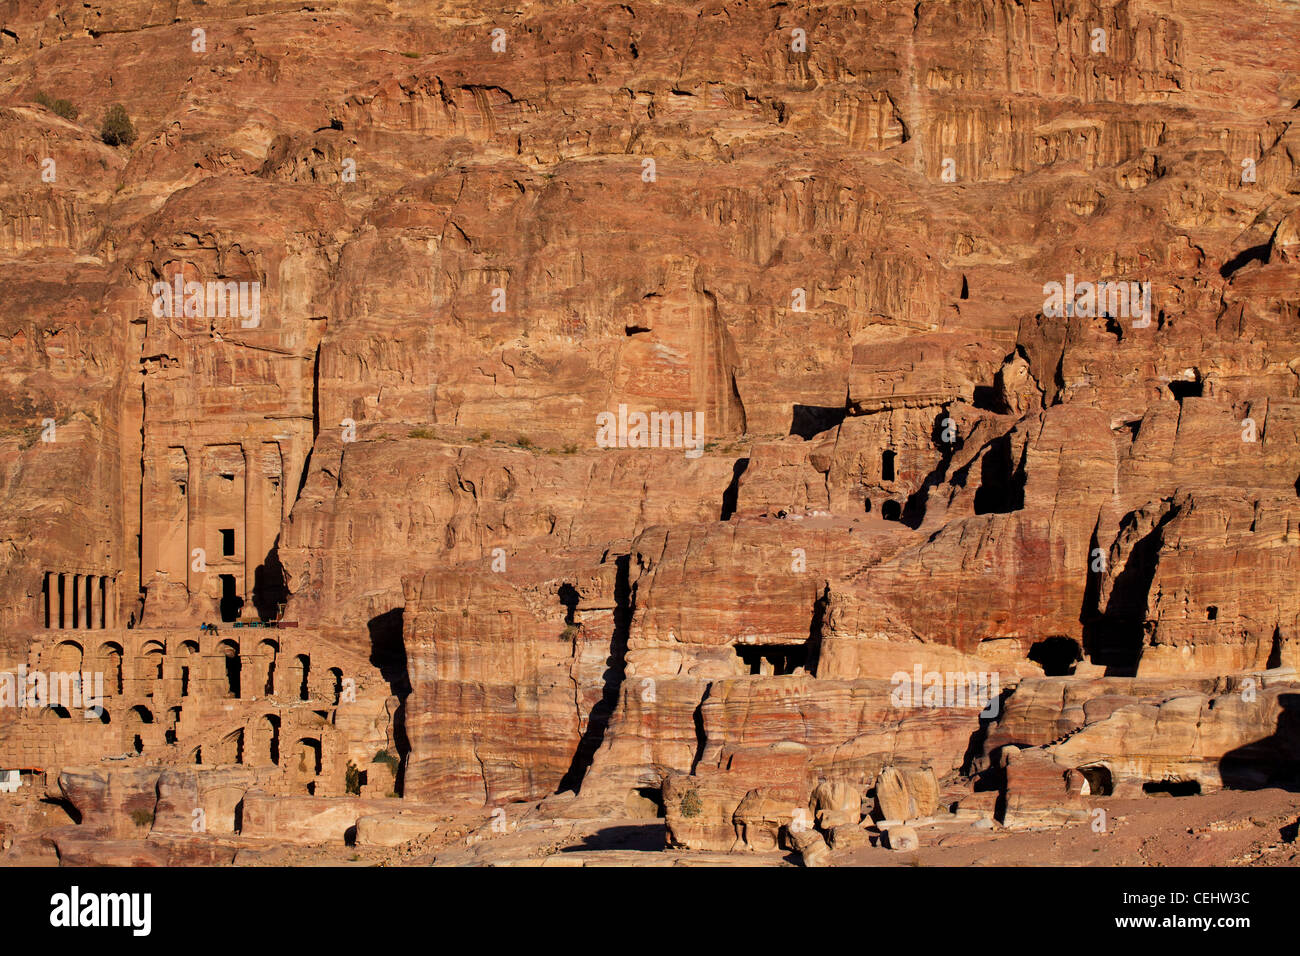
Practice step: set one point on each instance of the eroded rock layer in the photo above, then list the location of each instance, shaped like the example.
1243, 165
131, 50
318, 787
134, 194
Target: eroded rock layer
794, 422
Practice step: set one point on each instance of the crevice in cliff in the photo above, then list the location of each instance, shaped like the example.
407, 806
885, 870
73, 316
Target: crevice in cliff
1002, 480
315, 398
616, 667
1114, 637
270, 585
732, 493
914, 507
388, 655
1092, 586
815, 628
1244, 258
701, 738
1275, 650
989, 775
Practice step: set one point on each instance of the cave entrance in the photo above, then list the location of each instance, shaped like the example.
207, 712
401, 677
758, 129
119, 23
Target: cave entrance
1056, 655
1173, 788
303, 670
229, 650
809, 421
1097, 781
231, 602
1182, 388
773, 660
309, 763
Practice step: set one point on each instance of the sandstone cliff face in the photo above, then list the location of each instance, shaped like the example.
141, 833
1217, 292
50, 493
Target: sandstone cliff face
824, 238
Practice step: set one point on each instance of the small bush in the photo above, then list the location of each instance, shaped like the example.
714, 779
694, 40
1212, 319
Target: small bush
142, 818
58, 107
570, 632
387, 759
420, 433
117, 129
523, 441
352, 776
692, 805
571, 449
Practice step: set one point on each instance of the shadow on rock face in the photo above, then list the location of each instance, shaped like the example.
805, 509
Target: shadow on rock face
1273, 761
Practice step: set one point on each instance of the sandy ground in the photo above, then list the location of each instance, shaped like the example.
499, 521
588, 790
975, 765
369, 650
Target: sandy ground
1221, 829
1230, 828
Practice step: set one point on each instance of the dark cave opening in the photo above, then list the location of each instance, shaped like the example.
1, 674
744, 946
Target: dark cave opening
1183, 389
732, 493
1113, 637
773, 660
388, 654
1056, 655
270, 586
1244, 258
808, 421
1173, 788
569, 596
1002, 484
1100, 783
231, 602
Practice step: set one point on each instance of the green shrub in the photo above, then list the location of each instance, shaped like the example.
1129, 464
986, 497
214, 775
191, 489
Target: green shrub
142, 818
523, 441
117, 129
56, 106
388, 760
352, 777
420, 433
692, 805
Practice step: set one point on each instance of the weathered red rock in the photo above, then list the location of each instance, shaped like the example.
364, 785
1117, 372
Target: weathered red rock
830, 233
